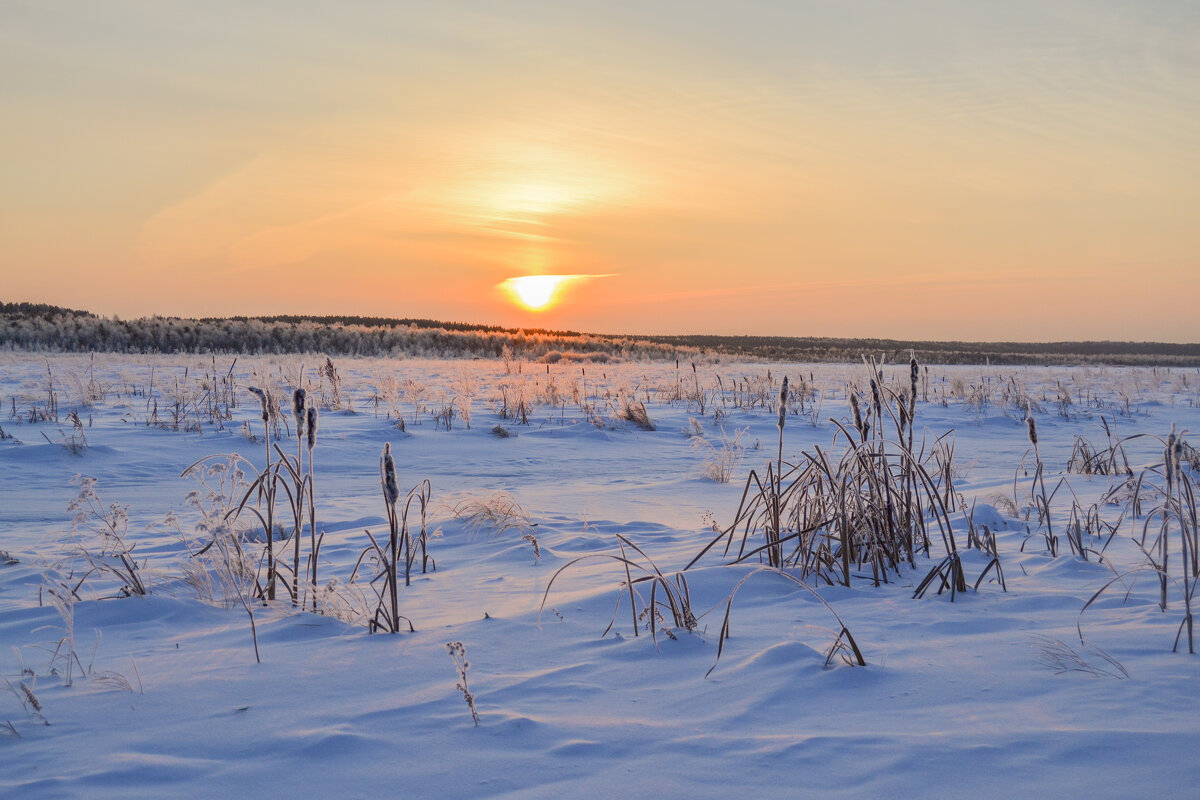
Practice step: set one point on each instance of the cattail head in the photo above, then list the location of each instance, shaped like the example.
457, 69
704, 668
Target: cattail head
783, 391
1031, 426
914, 373
311, 426
1171, 457
854, 407
875, 400
262, 399
298, 399
391, 491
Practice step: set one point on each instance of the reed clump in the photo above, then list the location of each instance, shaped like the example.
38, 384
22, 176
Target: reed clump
869, 505
394, 558
1163, 498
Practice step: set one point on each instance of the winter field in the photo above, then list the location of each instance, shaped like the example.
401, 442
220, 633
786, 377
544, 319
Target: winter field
927, 537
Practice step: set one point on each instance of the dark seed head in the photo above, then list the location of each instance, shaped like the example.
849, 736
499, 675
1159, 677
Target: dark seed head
311, 420
391, 491
262, 399
783, 392
298, 399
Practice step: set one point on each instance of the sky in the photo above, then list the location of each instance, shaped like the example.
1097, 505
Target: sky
935, 170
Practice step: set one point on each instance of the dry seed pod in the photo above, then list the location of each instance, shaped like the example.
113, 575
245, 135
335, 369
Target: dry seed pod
311, 426
1171, 458
298, 398
1032, 427
262, 399
783, 391
391, 491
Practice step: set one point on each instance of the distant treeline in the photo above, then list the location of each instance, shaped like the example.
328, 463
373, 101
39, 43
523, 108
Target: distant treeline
388, 322
787, 348
35, 326
28, 326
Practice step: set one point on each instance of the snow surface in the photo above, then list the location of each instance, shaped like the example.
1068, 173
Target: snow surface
957, 698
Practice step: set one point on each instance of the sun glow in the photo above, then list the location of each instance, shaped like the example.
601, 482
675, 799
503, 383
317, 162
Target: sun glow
536, 292
543, 292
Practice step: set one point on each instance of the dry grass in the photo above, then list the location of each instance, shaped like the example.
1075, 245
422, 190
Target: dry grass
843, 642
1063, 658
1169, 537
114, 557
495, 515
722, 457
669, 605
1088, 459
633, 410
831, 517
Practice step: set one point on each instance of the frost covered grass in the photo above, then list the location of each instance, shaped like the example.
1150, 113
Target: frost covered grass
778, 605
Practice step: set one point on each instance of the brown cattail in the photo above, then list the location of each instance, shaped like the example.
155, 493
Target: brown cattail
298, 399
391, 491
1032, 427
262, 399
876, 403
858, 420
915, 374
311, 419
1171, 458
783, 391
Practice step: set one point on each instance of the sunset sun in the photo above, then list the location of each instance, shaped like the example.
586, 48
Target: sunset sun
542, 292
536, 292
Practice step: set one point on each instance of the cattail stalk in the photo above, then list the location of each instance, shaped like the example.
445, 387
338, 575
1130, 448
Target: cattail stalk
877, 404
310, 429
298, 397
1170, 468
1040, 477
856, 409
391, 494
776, 555
910, 477
268, 487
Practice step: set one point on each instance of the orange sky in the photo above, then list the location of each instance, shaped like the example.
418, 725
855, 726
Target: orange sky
952, 171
